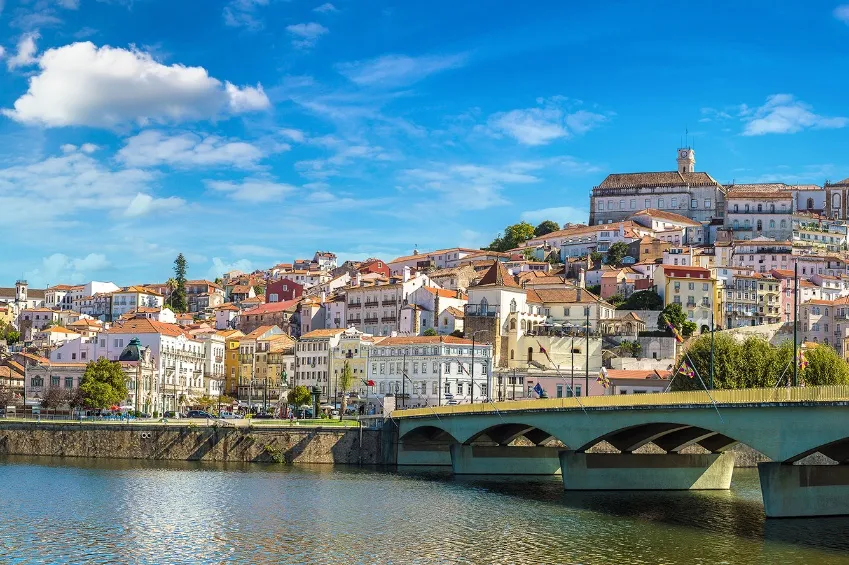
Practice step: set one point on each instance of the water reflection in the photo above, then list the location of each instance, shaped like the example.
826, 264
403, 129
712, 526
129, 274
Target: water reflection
79, 511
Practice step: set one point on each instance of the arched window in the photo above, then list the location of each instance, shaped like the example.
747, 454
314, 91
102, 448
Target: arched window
835, 201
772, 224
513, 324
523, 325
760, 208
772, 208
810, 204
484, 304
511, 354
513, 306
530, 354
736, 224
760, 225
746, 224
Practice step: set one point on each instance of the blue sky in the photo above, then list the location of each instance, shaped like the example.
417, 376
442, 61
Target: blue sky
248, 132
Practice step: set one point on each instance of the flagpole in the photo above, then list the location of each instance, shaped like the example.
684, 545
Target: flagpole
587, 368
795, 322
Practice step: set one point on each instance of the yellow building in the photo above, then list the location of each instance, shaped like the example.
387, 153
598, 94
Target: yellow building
275, 364
694, 288
232, 339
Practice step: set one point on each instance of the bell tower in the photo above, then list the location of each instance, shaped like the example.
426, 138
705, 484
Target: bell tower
686, 160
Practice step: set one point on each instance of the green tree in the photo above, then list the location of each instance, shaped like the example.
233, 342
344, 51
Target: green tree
643, 300
429, 332
595, 259
630, 348
345, 382
617, 300
616, 253
674, 314
178, 295
754, 363
299, 396
545, 228
825, 367
259, 290
103, 384
512, 237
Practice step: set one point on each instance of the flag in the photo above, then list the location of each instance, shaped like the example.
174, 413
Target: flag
539, 390
686, 370
803, 361
675, 333
369, 382
544, 351
603, 379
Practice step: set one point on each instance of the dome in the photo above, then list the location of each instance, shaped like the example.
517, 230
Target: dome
132, 352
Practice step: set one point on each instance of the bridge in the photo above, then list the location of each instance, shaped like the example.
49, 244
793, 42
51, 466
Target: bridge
694, 434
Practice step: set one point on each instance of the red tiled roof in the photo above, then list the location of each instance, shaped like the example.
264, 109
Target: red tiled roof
272, 307
497, 275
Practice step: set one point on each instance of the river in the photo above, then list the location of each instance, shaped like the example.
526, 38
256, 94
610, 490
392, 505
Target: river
97, 511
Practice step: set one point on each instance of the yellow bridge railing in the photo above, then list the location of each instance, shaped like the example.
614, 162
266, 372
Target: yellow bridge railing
695, 397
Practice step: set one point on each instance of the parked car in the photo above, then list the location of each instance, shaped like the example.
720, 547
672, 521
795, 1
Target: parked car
229, 416
334, 413
263, 415
199, 414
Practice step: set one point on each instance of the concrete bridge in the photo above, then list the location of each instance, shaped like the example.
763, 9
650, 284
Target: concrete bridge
552, 436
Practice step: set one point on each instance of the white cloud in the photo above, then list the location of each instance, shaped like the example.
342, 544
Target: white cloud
242, 13
782, 113
25, 55
219, 267
561, 215
81, 84
325, 8
306, 35
89, 148
152, 148
842, 13
295, 135
2, 51
543, 124
59, 268
398, 70
252, 190
144, 204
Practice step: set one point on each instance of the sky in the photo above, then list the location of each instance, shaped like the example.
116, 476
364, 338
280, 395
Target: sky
244, 133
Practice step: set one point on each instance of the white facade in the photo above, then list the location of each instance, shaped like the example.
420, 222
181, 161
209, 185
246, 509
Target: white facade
441, 259
376, 309
128, 299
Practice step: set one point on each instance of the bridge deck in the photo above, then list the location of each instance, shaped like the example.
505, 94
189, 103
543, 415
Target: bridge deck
783, 395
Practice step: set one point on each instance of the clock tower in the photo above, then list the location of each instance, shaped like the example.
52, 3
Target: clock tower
686, 160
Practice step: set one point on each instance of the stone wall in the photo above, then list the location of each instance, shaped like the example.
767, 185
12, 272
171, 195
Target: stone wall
353, 446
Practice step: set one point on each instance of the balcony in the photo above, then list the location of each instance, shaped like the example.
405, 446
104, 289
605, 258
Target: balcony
354, 305
371, 304
691, 305
388, 319
392, 303
480, 310
368, 320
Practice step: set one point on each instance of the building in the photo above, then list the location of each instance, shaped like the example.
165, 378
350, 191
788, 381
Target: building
353, 352
694, 288
683, 191
375, 309
53, 337
836, 205
431, 370
814, 232
227, 316
312, 358
425, 305
763, 254
283, 290
672, 227
232, 365
259, 381
581, 241
759, 210
132, 297
752, 299
33, 320
278, 314
647, 248
440, 259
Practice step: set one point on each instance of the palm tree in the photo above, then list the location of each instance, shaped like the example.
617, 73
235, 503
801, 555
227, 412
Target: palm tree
171, 284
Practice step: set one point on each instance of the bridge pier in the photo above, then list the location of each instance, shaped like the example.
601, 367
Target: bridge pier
424, 454
504, 460
629, 471
791, 491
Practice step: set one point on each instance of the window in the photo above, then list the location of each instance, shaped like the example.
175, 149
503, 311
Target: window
566, 311
660, 203
694, 203
69, 382
760, 224
577, 390
513, 306
772, 224
36, 382
447, 388
633, 204
691, 286
54, 381
434, 389
559, 391
460, 388
83, 355
674, 202
621, 204
600, 206
705, 286
611, 205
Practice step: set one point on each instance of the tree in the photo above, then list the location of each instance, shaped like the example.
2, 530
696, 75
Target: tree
754, 363
825, 367
170, 284
53, 398
103, 384
630, 348
545, 228
207, 401
6, 394
644, 300
617, 300
299, 396
595, 259
178, 295
512, 237
429, 332
259, 290
345, 382
674, 314
616, 253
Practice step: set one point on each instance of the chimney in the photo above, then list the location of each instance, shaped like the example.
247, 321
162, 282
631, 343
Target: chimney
406, 273
581, 278
459, 294
356, 280
323, 296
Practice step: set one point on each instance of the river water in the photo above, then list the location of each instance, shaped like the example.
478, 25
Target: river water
132, 512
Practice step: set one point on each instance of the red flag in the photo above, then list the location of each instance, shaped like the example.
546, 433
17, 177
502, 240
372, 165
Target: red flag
370, 382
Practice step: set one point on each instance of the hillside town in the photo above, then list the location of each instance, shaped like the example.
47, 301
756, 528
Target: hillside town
460, 325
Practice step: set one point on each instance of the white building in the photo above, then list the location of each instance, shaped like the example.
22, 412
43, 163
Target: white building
431, 370
440, 259
763, 254
376, 309
759, 210
132, 297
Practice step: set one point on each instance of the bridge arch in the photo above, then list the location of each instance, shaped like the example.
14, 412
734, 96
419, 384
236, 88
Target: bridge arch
672, 437
504, 433
427, 434
835, 450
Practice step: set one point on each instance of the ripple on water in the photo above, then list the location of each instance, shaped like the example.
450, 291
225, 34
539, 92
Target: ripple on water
78, 511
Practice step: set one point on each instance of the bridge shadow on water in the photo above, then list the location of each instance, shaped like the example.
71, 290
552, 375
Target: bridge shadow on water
737, 512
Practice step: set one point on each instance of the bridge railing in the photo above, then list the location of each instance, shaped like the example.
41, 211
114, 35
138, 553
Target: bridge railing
834, 393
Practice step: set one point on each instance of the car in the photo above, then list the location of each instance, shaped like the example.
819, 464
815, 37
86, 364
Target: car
199, 414
263, 415
334, 413
228, 416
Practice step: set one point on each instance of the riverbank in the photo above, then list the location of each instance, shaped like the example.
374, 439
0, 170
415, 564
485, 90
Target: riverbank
193, 442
